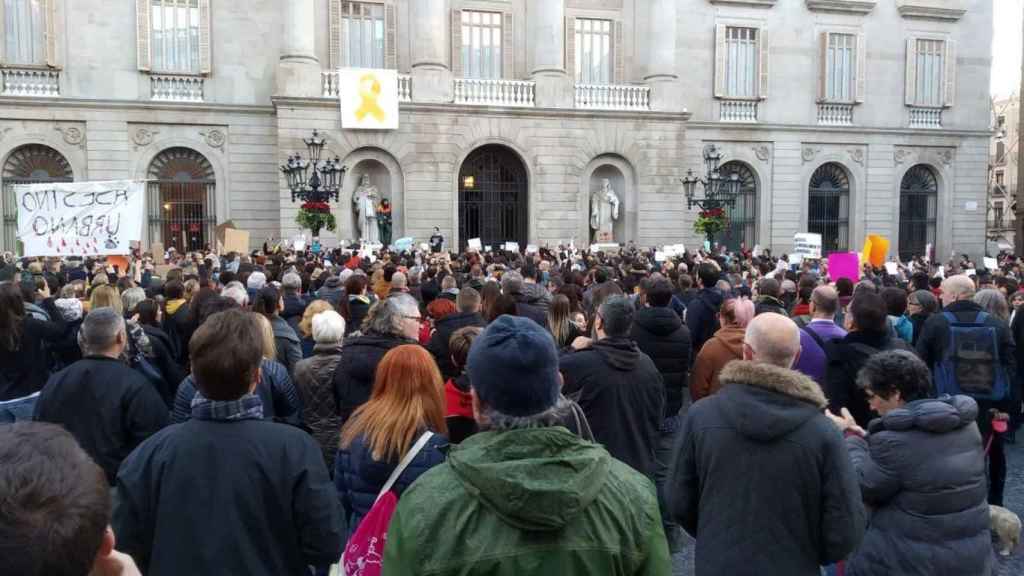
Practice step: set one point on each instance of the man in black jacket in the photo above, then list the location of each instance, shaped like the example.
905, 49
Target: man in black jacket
868, 324
527, 305
108, 407
468, 315
228, 492
702, 311
769, 298
957, 299
618, 387
762, 478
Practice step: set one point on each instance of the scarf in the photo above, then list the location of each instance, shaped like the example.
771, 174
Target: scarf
248, 407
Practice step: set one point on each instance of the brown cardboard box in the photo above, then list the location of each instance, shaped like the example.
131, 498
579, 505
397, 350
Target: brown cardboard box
236, 240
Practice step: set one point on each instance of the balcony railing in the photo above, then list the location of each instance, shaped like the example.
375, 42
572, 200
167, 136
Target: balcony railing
518, 93
738, 111
835, 114
174, 88
925, 117
613, 97
29, 82
331, 89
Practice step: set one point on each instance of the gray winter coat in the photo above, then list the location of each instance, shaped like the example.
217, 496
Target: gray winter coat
289, 352
922, 470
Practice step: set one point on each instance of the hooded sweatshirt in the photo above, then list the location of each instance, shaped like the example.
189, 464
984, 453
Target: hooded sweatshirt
622, 394
530, 501
724, 347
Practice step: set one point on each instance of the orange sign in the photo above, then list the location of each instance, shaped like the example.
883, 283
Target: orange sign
876, 249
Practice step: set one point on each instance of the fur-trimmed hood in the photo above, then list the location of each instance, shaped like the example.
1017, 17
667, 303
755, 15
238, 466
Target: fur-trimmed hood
766, 402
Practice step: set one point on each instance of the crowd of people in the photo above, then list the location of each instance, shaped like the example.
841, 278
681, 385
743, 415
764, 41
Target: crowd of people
557, 411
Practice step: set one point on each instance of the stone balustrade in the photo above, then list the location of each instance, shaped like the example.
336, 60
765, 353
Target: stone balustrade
835, 114
514, 93
925, 117
29, 82
176, 88
331, 88
738, 111
613, 97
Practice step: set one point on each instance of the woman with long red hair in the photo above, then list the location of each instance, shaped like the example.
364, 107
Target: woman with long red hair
407, 400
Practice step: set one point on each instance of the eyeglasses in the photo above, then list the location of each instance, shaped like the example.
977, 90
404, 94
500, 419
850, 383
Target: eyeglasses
416, 318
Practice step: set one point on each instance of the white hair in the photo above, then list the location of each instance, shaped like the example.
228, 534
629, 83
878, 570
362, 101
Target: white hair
328, 327
291, 281
257, 280
236, 293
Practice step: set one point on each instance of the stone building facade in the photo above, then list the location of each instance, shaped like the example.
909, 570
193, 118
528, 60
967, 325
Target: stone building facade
844, 117
1004, 188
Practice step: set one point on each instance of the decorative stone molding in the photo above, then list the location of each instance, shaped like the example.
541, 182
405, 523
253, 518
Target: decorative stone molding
899, 156
857, 155
143, 137
943, 10
72, 135
946, 156
762, 152
4, 131
809, 152
595, 4
214, 138
750, 3
916, 154
859, 7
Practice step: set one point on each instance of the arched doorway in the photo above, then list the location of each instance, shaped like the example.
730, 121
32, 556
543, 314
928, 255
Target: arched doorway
828, 207
919, 200
493, 191
743, 215
181, 199
29, 164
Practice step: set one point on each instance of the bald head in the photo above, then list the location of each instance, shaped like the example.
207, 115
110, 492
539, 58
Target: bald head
824, 302
959, 287
772, 339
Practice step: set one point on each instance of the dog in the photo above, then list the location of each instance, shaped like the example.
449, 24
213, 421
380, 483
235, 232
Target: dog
1006, 526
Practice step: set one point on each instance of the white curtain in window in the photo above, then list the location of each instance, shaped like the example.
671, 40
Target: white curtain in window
363, 32
175, 36
842, 66
593, 51
930, 57
481, 44
25, 31
741, 62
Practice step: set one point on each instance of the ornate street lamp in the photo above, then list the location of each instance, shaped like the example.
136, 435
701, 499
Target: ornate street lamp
315, 183
719, 192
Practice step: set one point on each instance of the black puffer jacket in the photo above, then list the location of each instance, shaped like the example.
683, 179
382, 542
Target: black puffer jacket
845, 358
622, 395
922, 472
763, 479
702, 317
353, 378
443, 330
660, 334
163, 360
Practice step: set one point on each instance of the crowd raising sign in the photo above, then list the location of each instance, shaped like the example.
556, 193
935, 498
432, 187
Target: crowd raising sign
80, 218
807, 245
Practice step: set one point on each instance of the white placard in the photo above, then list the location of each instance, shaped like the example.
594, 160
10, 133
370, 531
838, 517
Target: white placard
673, 250
531, 249
369, 98
941, 272
757, 251
971, 272
512, 246
299, 245
796, 259
892, 268
991, 263
80, 218
659, 256
807, 245
424, 246
475, 244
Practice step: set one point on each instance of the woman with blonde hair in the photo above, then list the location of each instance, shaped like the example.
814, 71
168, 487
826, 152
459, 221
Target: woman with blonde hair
724, 347
407, 400
560, 321
306, 340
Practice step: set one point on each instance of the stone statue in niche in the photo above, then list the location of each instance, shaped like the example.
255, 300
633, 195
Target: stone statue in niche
365, 200
604, 211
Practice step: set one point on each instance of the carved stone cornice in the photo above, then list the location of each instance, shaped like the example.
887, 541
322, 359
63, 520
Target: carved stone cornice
942, 10
859, 7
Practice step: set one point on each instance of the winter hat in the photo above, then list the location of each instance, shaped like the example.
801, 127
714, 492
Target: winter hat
513, 366
257, 280
333, 282
70, 308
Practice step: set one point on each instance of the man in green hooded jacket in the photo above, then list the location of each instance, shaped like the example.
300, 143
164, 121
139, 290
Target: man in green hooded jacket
525, 495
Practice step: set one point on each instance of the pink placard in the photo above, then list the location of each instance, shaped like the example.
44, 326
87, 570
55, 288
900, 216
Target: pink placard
844, 265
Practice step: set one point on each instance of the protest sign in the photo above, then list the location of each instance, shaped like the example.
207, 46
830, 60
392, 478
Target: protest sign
672, 250
971, 272
807, 245
941, 272
512, 246
531, 249
757, 251
80, 218
843, 265
891, 268
157, 249
991, 263
424, 246
659, 256
120, 261
236, 240
876, 248
404, 243
475, 244
795, 260
220, 230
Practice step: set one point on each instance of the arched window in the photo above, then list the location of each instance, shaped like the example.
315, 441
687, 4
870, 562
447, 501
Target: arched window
919, 199
743, 216
828, 207
181, 200
29, 164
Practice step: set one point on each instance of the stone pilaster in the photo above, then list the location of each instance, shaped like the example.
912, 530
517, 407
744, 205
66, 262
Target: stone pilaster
666, 91
431, 53
545, 42
298, 70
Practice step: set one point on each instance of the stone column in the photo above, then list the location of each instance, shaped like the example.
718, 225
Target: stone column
298, 70
666, 91
545, 42
430, 31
